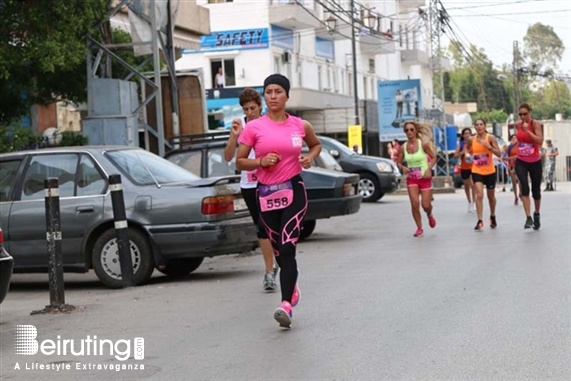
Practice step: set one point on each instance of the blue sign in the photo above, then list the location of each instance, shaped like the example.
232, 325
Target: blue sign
399, 101
224, 104
324, 48
282, 38
240, 39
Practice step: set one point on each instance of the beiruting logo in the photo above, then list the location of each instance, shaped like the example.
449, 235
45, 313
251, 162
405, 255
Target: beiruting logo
26, 344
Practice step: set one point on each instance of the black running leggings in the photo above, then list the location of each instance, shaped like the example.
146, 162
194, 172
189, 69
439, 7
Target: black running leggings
283, 227
534, 171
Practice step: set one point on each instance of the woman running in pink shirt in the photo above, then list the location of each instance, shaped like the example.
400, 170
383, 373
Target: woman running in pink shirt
277, 139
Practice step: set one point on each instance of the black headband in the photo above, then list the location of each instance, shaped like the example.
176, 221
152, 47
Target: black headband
277, 79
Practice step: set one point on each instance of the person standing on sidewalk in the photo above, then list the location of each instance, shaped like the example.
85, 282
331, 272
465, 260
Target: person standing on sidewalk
528, 164
277, 139
549, 153
464, 153
484, 145
251, 103
416, 152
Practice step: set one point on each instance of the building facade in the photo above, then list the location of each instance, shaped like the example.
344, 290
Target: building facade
310, 41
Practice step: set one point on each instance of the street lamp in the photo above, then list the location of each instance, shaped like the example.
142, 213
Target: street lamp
331, 23
369, 19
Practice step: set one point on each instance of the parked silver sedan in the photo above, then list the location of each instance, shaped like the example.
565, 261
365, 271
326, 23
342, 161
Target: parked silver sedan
175, 218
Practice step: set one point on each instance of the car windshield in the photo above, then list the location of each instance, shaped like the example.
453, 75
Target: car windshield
328, 160
146, 168
339, 146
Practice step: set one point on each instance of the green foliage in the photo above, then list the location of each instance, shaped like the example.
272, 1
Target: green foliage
17, 138
543, 49
44, 57
491, 116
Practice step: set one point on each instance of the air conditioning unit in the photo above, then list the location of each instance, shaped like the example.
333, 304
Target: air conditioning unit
286, 57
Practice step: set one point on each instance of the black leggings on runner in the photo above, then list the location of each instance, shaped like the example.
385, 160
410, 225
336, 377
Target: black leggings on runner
250, 197
283, 227
534, 171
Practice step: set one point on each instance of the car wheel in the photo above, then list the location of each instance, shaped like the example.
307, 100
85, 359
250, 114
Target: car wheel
178, 267
105, 258
307, 229
369, 187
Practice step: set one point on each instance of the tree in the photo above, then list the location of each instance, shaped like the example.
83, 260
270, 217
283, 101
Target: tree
543, 49
43, 51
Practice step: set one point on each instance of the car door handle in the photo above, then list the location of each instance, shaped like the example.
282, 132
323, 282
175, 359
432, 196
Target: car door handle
84, 209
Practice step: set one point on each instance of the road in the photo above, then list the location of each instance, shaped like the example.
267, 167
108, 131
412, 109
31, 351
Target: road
377, 304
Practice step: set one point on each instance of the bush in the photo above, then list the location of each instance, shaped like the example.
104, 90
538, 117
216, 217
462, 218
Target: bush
16, 138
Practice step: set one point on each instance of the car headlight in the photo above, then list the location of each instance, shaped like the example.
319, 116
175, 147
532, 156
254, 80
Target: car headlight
384, 167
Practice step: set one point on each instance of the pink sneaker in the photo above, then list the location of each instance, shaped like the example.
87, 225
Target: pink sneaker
431, 221
283, 314
296, 293
418, 233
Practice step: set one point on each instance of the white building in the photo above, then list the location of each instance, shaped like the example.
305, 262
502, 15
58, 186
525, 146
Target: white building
252, 39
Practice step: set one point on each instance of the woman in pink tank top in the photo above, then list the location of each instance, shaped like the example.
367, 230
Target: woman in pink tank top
277, 139
528, 163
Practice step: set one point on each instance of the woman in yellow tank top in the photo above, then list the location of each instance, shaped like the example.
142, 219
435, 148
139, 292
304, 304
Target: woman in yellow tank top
418, 170
484, 146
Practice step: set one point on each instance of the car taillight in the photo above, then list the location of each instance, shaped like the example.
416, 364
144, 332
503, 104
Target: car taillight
1, 238
349, 190
218, 205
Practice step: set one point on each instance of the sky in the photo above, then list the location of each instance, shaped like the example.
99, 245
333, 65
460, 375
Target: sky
507, 21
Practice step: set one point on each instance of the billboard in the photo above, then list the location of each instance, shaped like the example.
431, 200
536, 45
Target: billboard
239, 39
399, 101
223, 106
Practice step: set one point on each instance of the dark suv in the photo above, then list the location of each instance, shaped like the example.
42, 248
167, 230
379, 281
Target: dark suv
330, 193
377, 175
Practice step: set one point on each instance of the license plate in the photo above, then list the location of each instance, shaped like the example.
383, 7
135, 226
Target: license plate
239, 204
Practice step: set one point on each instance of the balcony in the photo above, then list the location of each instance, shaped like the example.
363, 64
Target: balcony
442, 63
410, 4
376, 43
342, 32
292, 14
310, 99
414, 57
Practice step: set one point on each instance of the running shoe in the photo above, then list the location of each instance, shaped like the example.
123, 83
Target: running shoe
479, 226
528, 223
283, 314
296, 293
469, 207
431, 221
269, 282
418, 233
536, 222
493, 222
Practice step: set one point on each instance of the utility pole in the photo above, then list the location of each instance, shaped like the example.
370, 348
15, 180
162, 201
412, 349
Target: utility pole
516, 70
437, 15
354, 54
170, 56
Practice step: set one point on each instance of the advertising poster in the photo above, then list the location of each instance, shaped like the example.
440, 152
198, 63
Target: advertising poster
355, 138
399, 101
223, 106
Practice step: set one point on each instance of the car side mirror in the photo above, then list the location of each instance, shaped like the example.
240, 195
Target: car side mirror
334, 153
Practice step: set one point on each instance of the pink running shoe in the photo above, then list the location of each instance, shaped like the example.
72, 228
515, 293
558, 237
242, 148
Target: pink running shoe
283, 314
418, 233
431, 221
296, 293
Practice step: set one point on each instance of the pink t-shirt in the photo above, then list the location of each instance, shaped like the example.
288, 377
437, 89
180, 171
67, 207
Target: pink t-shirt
285, 138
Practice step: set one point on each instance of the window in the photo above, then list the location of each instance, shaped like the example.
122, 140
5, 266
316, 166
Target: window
223, 73
219, 1
217, 166
62, 166
8, 171
145, 168
191, 161
90, 182
371, 65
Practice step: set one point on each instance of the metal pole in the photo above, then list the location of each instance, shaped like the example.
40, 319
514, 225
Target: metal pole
172, 74
53, 237
120, 217
516, 77
354, 53
157, 74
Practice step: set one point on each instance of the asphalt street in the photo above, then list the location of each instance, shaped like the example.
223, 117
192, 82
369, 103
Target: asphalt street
377, 304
